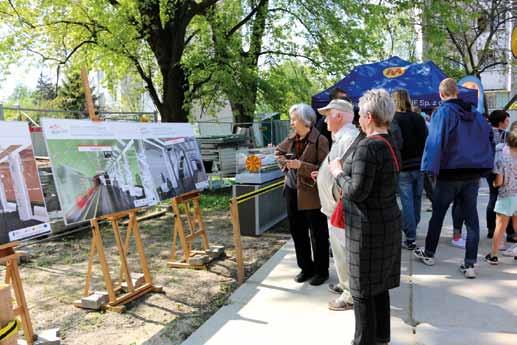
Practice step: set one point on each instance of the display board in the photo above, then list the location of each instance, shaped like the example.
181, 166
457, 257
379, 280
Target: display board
96, 167
101, 168
174, 158
22, 206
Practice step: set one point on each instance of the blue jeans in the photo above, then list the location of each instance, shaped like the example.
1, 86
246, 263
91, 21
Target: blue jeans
444, 194
411, 185
457, 216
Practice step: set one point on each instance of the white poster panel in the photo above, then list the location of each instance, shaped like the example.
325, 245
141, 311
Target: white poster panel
99, 168
22, 205
174, 158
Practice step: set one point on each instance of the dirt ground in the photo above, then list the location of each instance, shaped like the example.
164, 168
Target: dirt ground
54, 278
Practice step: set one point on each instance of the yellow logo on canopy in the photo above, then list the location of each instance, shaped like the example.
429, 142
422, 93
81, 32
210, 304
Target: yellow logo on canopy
393, 72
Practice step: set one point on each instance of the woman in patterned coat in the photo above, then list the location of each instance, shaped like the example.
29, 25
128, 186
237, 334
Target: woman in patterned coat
368, 180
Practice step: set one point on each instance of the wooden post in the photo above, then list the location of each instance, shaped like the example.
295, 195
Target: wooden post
234, 207
88, 94
6, 312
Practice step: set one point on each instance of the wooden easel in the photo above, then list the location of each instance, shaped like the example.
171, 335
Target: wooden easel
12, 277
118, 298
190, 202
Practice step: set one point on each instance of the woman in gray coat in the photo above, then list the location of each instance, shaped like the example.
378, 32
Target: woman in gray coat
369, 180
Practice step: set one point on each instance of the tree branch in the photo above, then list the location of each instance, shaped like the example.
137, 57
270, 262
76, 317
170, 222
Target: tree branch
277, 52
187, 41
151, 24
67, 57
245, 19
20, 17
196, 86
504, 63
149, 85
460, 50
316, 36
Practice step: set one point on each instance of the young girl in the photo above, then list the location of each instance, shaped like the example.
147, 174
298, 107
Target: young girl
505, 166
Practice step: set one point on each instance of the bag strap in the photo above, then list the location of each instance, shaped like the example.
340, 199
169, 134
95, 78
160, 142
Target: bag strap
392, 152
336, 192
351, 148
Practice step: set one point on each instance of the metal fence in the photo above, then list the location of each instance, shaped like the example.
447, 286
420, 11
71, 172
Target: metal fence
32, 115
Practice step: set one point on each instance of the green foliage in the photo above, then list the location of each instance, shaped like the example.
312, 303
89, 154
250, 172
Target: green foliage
210, 50
463, 35
45, 90
286, 84
71, 95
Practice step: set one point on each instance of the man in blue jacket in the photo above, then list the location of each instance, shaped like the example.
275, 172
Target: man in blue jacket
458, 151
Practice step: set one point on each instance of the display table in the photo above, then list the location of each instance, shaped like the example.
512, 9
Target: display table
260, 212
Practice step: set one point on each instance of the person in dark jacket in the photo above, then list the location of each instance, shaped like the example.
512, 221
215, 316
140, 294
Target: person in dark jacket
301, 153
458, 151
369, 181
411, 181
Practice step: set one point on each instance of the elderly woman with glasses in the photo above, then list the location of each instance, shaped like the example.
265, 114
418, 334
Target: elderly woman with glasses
301, 153
368, 181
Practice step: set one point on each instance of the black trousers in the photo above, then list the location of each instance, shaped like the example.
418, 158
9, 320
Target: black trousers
309, 230
490, 214
372, 319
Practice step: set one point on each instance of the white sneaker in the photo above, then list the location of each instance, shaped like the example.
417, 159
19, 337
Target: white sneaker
460, 243
468, 271
510, 251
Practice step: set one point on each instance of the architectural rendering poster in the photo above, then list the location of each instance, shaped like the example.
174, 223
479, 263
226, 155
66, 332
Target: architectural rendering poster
174, 158
22, 206
99, 167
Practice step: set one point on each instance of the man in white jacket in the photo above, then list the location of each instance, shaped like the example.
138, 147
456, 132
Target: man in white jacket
339, 115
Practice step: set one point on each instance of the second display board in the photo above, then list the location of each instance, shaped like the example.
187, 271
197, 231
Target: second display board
102, 168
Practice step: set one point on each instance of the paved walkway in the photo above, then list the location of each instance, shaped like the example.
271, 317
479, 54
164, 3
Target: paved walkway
433, 306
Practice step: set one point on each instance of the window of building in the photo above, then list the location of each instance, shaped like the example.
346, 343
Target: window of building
497, 100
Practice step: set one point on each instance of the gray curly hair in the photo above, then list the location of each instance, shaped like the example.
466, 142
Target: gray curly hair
379, 103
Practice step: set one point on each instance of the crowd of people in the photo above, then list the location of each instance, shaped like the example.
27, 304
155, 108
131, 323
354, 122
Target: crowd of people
347, 173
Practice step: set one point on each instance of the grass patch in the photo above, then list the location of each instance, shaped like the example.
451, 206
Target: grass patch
217, 200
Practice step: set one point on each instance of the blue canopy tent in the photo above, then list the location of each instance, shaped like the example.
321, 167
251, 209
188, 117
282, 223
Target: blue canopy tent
420, 79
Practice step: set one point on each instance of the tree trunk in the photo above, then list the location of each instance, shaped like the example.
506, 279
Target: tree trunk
172, 107
244, 108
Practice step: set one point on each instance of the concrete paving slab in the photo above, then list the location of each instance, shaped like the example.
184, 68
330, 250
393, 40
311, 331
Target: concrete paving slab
433, 305
429, 335
277, 310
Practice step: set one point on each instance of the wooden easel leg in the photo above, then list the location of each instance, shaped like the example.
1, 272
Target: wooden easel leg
237, 240
86, 291
181, 232
123, 258
199, 220
7, 277
190, 218
140, 249
104, 264
22, 303
174, 242
126, 244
